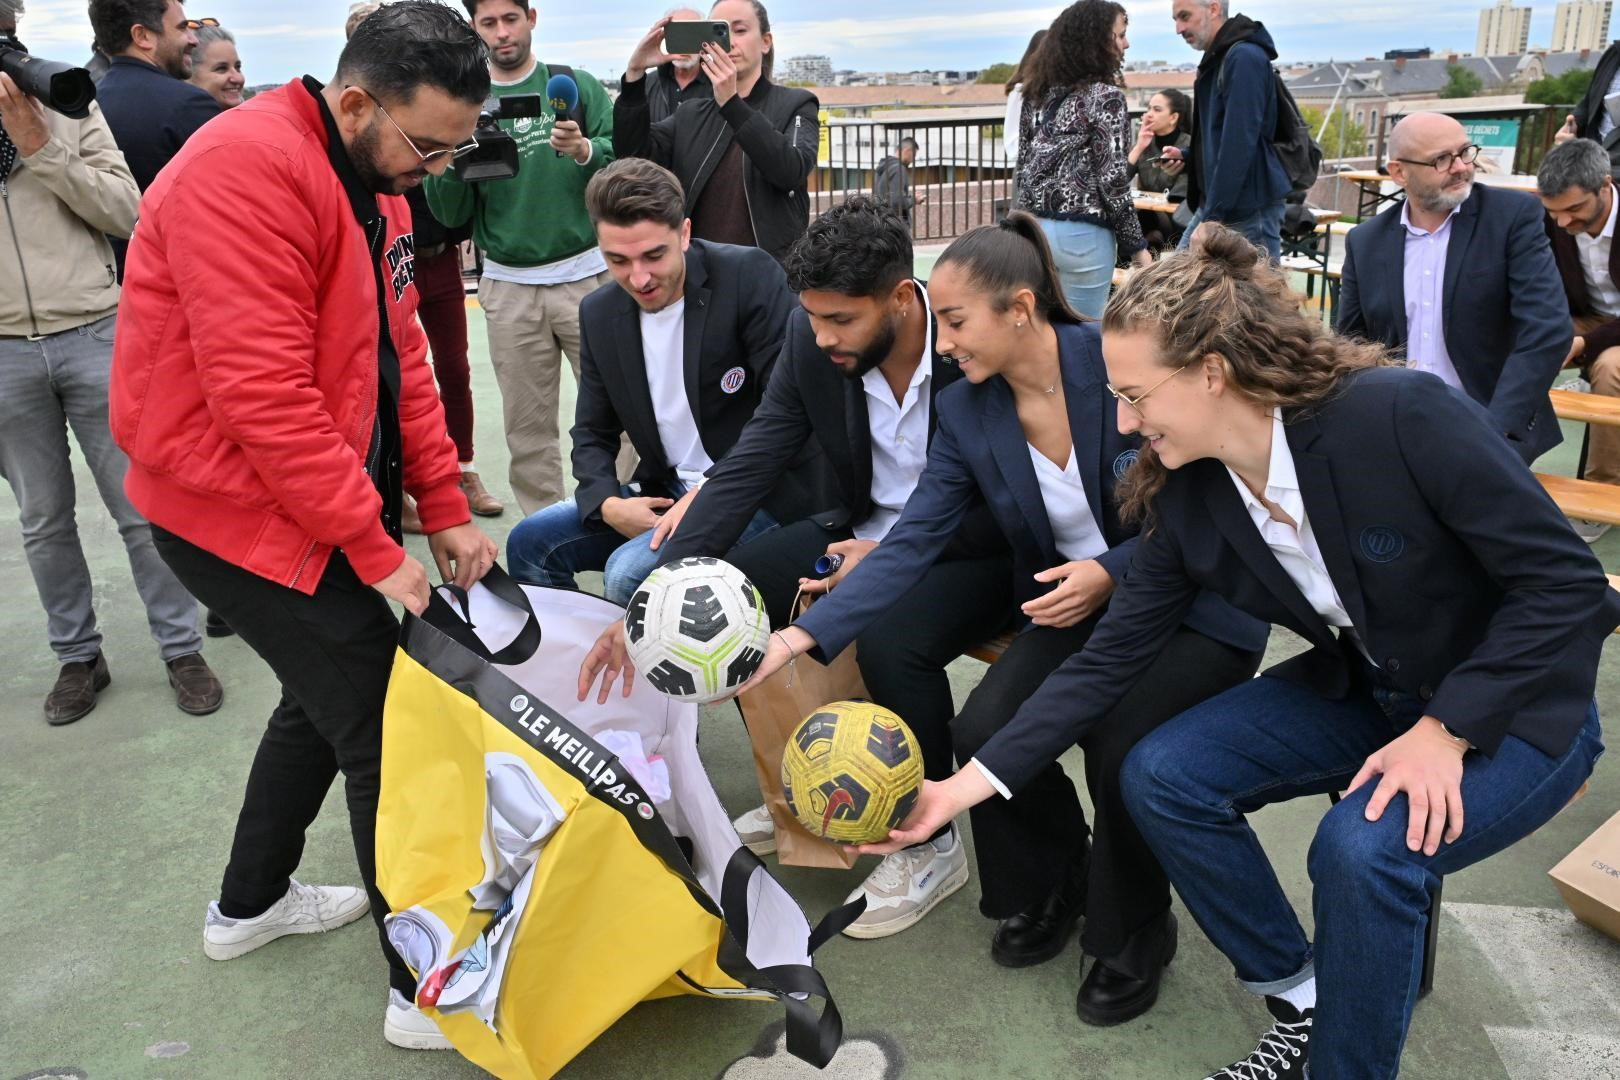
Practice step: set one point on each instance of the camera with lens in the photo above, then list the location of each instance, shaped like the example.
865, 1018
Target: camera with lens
63, 87
497, 155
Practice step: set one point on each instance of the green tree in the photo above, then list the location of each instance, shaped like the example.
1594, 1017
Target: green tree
1342, 138
1565, 89
1461, 83
996, 74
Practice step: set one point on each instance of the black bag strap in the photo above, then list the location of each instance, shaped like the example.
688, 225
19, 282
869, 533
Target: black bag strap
459, 626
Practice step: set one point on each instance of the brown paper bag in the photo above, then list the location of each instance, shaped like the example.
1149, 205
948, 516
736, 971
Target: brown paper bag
1589, 878
771, 712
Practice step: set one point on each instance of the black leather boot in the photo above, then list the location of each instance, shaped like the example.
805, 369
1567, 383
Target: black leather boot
1040, 933
1125, 986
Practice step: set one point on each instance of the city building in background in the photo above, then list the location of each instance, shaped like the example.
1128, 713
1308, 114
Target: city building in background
1581, 24
1503, 29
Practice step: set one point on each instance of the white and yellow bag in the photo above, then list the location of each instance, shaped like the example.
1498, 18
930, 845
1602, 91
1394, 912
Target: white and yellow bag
550, 863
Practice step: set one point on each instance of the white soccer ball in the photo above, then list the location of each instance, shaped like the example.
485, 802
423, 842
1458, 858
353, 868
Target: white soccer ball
696, 629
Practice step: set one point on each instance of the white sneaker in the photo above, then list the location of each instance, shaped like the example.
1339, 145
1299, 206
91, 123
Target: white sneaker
907, 885
757, 831
1590, 531
409, 1028
306, 909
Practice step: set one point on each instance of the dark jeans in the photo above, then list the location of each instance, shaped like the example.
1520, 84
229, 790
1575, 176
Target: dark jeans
958, 604
442, 307
1190, 784
332, 652
1025, 845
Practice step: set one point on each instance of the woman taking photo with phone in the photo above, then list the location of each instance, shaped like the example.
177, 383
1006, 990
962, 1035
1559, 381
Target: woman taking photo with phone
1167, 123
1032, 430
1072, 140
1455, 619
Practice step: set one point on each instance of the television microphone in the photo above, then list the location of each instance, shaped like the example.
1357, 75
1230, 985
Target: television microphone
563, 94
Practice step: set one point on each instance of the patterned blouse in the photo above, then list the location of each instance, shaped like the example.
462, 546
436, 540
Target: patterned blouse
1072, 164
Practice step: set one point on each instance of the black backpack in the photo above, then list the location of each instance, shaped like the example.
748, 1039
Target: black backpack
1299, 153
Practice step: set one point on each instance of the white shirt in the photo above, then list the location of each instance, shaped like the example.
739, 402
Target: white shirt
1009, 126
1600, 286
562, 272
1295, 547
663, 349
1424, 280
899, 436
1605, 121
1074, 530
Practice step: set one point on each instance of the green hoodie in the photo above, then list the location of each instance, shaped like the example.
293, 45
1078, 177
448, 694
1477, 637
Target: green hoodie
538, 216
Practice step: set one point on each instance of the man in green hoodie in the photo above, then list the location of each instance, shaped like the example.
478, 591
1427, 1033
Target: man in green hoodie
540, 254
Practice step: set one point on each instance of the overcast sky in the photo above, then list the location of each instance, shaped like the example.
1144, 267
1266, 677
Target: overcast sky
281, 39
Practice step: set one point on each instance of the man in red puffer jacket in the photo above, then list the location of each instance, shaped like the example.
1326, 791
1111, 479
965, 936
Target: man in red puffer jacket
274, 411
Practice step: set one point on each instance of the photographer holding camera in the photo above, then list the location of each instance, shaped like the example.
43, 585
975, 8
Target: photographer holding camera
540, 253
65, 184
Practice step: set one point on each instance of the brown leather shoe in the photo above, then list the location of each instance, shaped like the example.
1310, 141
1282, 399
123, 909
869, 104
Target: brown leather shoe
74, 694
409, 520
479, 500
196, 687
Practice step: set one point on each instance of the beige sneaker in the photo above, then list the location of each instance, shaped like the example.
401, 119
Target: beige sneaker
907, 885
757, 831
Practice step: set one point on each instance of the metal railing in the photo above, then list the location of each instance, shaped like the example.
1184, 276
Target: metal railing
961, 171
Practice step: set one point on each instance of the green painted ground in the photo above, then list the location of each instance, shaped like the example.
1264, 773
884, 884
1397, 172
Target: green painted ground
113, 834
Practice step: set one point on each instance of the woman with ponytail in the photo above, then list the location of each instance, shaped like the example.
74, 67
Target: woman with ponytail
1455, 621
1031, 430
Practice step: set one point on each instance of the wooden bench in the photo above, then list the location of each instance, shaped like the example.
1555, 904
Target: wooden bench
1585, 408
1583, 498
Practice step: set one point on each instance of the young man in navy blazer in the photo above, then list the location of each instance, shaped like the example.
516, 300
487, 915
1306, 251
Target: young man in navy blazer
860, 375
675, 352
1459, 277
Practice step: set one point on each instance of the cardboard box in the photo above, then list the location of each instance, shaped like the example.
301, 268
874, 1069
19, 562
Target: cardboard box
1589, 878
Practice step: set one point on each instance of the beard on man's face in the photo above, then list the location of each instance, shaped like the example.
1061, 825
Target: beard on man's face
364, 152
878, 351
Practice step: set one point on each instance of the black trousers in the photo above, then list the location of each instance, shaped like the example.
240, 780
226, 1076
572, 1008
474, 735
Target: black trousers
958, 604
1026, 845
332, 652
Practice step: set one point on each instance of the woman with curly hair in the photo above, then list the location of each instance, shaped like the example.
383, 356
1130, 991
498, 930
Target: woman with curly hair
1455, 623
1073, 136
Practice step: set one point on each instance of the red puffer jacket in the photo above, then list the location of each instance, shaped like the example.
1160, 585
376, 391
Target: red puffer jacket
244, 384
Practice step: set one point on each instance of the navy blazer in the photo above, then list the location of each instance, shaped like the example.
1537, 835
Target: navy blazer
1505, 319
980, 450
1464, 580
808, 400
736, 307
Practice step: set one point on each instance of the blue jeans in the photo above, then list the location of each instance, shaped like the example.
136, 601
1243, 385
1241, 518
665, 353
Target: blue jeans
550, 546
1084, 253
1263, 229
1190, 783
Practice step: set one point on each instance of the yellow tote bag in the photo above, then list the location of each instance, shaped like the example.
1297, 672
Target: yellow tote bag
550, 863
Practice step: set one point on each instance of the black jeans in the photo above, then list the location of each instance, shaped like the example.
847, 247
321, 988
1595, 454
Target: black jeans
332, 652
957, 605
1027, 844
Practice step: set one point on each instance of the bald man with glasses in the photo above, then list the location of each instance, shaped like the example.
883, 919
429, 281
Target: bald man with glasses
1459, 278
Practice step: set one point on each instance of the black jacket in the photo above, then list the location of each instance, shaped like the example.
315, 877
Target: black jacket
779, 134
891, 185
808, 400
1567, 257
737, 304
1589, 113
151, 114
664, 94
1461, 575
1234, 170
980, 450
1506, 320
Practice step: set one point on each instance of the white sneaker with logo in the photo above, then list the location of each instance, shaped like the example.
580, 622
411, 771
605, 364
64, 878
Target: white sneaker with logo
306, 909
1590, 531
907, 885
757, 831
409, 1028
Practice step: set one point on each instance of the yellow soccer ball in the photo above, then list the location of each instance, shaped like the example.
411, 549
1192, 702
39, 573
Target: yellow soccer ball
851, 772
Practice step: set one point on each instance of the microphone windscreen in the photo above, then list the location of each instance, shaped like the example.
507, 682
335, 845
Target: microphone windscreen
563, 93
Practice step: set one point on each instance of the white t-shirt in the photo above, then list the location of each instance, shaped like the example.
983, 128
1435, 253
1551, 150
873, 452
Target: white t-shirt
1074, 530
663, 348
899, 437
